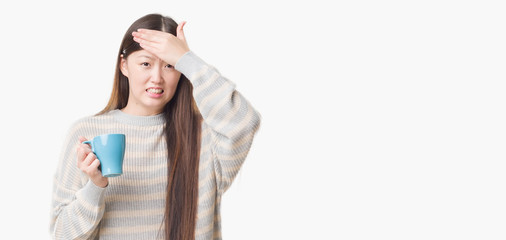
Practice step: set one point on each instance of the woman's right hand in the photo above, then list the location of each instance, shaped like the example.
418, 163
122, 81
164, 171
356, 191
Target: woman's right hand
164, 45
88, 163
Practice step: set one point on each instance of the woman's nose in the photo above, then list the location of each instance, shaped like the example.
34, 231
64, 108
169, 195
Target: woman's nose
156, 75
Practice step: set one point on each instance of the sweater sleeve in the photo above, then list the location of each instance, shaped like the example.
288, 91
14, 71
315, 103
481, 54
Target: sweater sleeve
231, 117
77, 203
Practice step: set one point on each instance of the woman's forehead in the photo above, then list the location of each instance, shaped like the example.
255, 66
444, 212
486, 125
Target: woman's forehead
143, 54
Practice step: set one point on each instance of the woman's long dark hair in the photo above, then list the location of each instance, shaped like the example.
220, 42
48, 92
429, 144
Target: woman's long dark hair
182, 133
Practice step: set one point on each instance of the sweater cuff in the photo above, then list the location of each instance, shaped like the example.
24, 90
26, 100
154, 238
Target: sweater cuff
189, 64
92, 194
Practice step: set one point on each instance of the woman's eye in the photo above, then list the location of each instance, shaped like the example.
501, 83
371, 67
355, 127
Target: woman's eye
169, 66
145, 64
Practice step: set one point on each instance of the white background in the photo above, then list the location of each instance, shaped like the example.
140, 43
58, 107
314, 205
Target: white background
381, 119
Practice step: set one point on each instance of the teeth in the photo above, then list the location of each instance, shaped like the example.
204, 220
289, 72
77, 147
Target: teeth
152, 90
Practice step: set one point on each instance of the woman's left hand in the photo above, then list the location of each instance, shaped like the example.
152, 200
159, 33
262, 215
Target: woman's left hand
165, 46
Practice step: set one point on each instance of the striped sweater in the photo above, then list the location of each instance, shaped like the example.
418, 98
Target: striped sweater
132, 205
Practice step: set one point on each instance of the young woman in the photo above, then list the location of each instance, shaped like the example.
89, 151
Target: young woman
187, 130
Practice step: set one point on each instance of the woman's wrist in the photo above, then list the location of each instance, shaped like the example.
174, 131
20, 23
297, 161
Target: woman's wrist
103, 182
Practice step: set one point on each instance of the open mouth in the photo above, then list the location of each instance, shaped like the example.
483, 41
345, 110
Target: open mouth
154, 90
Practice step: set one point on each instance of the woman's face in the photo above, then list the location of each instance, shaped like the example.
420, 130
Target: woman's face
152, 83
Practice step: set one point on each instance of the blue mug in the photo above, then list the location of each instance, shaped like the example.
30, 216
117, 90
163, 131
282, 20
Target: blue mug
110, 151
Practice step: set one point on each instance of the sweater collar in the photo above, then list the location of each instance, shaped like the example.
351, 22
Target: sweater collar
126, 118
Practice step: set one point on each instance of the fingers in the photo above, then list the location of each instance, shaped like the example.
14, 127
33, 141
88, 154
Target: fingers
82, 139
85, 157
158, 36
148, 46
150, 35
180, 32
95, 164
150, 40
88, 160
82, 149
165, 46
90, 165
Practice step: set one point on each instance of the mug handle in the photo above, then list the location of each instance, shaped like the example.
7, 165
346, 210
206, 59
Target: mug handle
91, 144
93, 150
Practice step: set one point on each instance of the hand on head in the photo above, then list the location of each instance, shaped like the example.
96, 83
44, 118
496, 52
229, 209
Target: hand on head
165, 46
